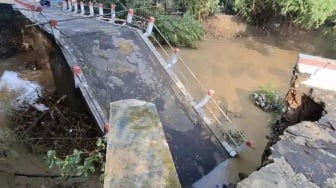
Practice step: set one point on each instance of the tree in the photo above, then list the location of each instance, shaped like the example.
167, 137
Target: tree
200, 8
308, 13
255, 11
303, 13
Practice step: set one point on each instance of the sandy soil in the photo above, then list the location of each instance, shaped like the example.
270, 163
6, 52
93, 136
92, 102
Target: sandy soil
223, 27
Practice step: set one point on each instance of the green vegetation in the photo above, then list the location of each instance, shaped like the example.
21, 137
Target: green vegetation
304, 13
307, 13
78, 163
200, 9
269, 100
255, 11
184, 30
180, 31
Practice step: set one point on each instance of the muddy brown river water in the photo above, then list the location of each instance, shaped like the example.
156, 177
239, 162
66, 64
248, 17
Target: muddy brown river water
18, 157
234, 68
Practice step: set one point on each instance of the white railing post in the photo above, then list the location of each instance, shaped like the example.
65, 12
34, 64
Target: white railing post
76, 71
245, 146
205, 100
39, 18
82, 8
53, 24
65, 5
130, 15
91, 8
113, 13
33, 8
75, 5
69, 6
150, 26
173, 59
101, 11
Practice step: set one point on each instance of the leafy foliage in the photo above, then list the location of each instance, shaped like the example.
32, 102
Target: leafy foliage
255, 11
75, 164
308, 13
201, 8
137, 3
180, 31
305, 13
268, 99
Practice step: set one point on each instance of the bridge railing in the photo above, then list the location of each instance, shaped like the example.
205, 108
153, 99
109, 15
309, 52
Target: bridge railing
219, 122
216, 117
203, 102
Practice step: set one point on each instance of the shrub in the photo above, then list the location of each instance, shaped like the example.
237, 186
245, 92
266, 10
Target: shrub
78, 163
308, 13
179, 31
305, 13
255, 11
200, 9
268, 99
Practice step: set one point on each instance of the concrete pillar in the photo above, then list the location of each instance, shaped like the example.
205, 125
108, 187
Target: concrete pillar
33, 8
150, 26
137, 147
75, 6
53, 24
39, 18
65, 6
130, 15
173, 59
101, 11
205, 100
113, 13
76, 70
243, 147
82, 8
91, 8
69, 6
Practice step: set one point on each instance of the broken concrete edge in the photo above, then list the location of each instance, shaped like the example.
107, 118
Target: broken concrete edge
321, 71
309, 140
94, 107
279, 174
137, 152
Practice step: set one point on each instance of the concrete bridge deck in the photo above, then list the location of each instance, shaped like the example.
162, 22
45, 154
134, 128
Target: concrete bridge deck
117, 64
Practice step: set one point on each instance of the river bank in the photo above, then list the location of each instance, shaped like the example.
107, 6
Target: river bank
234, 66
303, 154
25, 72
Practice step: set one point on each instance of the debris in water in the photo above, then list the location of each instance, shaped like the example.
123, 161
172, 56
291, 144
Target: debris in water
40, 107
32, 65
49, 124
269, 100
28, 91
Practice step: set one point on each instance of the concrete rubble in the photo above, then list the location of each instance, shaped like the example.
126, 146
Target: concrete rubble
305, 154
137, 149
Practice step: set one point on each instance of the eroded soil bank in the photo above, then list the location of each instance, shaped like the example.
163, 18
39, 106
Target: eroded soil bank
26, 56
